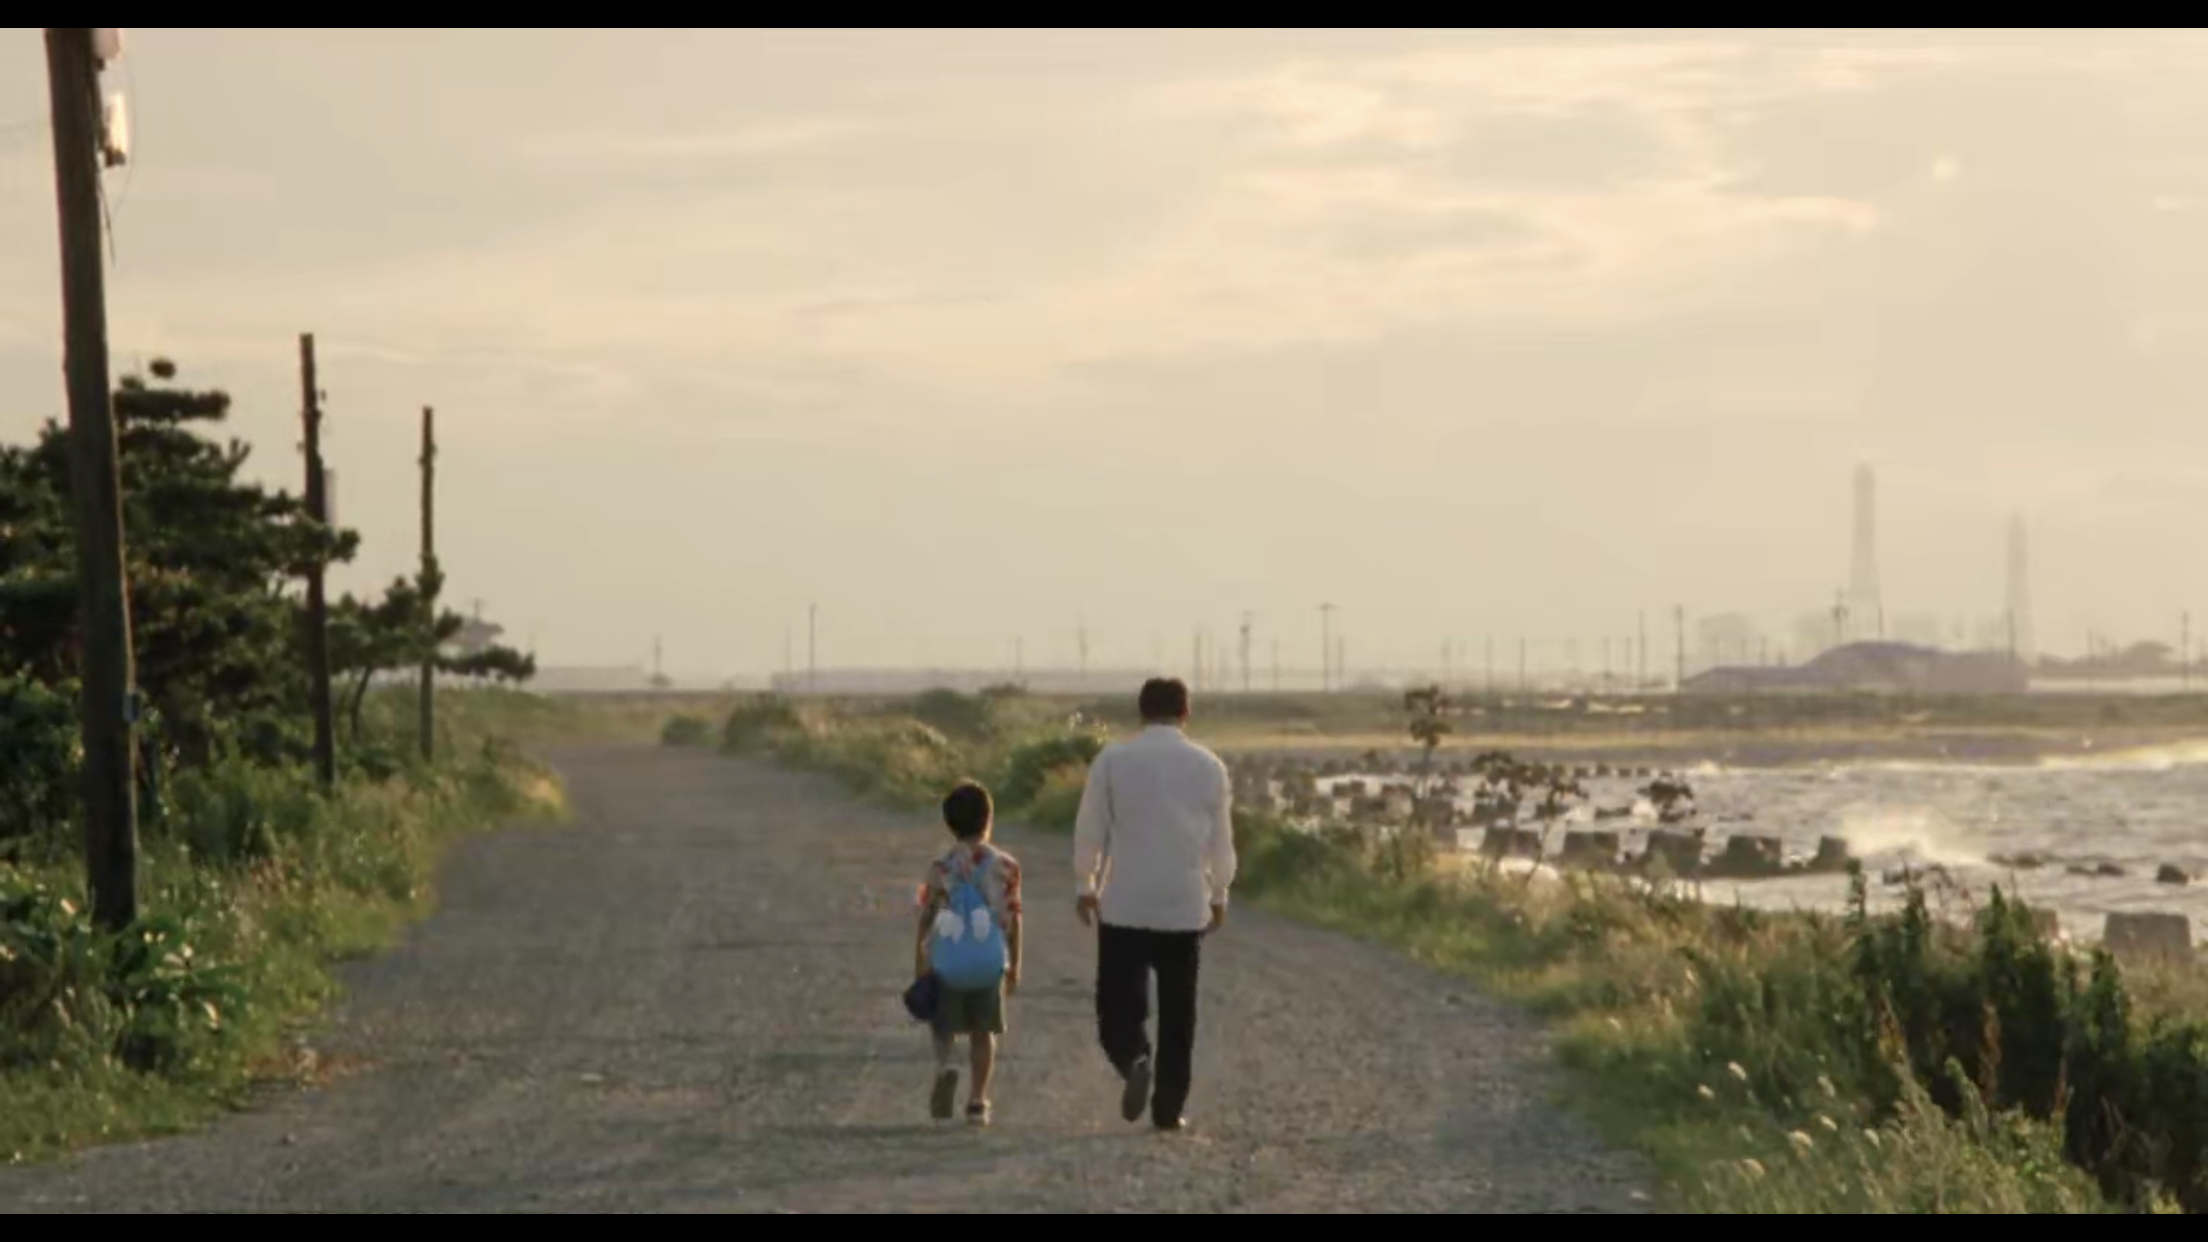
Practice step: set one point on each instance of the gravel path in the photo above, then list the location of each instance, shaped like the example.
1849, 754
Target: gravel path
688, 1002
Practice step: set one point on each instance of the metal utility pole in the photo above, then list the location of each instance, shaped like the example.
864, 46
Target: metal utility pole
1523, 684
1326, 648
2185, 652
1679, 633
1245, 653
1083, 639
107, 709
432, 585
318, 604
1019, 660
1276, 666
1490, 665
812, 649
1640, 659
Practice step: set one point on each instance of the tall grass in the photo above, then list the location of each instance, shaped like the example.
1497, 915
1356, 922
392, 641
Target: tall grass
253, 885
1767, 1063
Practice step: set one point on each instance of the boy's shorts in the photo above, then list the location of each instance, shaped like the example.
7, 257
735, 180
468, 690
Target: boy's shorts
970, 1013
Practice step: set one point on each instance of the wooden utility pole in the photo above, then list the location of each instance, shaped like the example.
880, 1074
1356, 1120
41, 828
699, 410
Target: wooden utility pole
318, 604
107, 710
432, 587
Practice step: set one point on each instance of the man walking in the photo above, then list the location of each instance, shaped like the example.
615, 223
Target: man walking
1154, 851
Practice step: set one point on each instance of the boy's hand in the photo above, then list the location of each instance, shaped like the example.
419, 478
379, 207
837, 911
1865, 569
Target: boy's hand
1218, 919
1086, 909
1012, 982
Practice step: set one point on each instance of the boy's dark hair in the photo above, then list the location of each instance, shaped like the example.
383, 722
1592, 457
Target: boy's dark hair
1164, 700
968, 810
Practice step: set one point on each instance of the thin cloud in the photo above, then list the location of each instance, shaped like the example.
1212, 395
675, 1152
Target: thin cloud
755, 138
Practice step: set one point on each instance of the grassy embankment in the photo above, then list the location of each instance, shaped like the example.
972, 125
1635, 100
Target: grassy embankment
1765, 1063
253, 887
1665, 730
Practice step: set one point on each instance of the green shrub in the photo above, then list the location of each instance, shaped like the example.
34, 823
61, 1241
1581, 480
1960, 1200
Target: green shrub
146, 997
759, 723
1058, 803
1029, 766
966, 717
39, 754
686, 731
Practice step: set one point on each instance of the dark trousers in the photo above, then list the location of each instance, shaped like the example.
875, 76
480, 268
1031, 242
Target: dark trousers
1126, 958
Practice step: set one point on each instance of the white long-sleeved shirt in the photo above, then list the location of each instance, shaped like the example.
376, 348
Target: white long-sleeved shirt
1156, 832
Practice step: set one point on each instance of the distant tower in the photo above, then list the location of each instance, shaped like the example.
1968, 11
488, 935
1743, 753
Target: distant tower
1864, 605
2020, 591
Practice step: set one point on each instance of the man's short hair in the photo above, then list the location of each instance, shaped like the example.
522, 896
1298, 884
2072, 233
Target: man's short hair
1164, 699
968, 810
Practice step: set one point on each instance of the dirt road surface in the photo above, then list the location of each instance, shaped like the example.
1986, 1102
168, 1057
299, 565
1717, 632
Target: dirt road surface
687, 1001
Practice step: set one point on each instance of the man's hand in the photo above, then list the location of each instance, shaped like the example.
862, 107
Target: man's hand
1218, 919
1087, 910
1012, 982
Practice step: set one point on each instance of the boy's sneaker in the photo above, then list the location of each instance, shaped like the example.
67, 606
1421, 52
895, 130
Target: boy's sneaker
978, 1115
1135, 1100
946, 1095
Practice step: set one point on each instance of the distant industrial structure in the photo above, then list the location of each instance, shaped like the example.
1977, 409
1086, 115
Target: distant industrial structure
1874, 667
2021, 641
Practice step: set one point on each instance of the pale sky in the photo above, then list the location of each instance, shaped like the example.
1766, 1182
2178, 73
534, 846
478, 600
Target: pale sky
965, 336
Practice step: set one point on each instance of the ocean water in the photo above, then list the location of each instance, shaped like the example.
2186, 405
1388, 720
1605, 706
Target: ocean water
2138, 811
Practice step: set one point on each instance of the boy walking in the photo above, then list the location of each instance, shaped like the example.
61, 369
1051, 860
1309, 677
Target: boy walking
969, 938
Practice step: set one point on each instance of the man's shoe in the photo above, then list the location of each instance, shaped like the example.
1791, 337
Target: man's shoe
1178, 1125
945, 1095
1135, 1100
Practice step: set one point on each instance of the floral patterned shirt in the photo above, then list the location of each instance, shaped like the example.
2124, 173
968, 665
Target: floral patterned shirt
1000, 882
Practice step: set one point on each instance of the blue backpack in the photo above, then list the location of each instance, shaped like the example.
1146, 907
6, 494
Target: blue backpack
968, 951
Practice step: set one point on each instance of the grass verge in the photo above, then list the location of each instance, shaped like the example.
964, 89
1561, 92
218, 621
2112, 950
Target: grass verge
254, 886
1764, 1063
